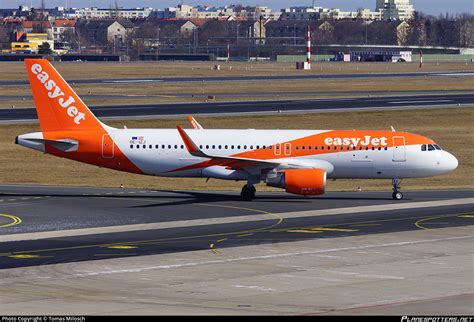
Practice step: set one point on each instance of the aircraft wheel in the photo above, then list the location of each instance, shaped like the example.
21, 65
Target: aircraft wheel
397, 195
248, 194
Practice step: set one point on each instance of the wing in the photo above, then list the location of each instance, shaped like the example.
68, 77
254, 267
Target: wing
231, 162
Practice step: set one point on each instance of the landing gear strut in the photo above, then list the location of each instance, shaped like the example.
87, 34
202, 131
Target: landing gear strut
396, 195
248, 193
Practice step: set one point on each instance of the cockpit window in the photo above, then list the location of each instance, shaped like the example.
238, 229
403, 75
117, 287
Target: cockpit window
423, 147
437, 147
431, 147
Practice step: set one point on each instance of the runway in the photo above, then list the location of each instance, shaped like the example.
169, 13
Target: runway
50, 225
252, 107
246, 78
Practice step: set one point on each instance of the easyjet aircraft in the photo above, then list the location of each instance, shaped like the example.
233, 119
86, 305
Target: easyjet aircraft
298, 161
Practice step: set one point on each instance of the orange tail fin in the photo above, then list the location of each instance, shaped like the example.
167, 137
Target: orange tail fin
58, 106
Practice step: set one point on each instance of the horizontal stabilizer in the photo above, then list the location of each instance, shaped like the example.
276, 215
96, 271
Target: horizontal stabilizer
37, 142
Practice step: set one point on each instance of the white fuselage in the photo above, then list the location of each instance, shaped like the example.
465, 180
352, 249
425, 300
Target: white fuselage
162, 152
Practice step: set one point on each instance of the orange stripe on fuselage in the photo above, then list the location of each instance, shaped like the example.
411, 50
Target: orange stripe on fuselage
319, 140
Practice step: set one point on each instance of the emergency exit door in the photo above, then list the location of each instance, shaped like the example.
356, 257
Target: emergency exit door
399, 152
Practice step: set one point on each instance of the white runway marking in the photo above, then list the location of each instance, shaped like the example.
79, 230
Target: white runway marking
252, 258
433, 101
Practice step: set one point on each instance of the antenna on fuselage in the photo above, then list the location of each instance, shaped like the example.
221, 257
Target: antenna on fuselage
393, 130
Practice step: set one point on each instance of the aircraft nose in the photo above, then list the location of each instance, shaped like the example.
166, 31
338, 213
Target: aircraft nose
449, 162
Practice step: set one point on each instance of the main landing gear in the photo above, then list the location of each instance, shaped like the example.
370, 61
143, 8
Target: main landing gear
396, 195
248, 192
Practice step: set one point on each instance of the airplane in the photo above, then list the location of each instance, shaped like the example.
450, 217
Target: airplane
298, 161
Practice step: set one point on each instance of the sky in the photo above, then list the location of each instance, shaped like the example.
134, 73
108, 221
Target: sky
434, 7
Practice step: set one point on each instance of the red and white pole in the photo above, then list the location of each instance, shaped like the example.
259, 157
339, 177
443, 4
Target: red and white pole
308, 48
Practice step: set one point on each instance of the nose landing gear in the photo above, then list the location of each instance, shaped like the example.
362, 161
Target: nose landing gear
396, 195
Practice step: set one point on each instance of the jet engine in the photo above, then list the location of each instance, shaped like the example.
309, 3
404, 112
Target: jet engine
306, 182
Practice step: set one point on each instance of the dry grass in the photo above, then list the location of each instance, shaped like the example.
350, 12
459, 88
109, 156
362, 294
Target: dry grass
451, 128
166, 92
81, 70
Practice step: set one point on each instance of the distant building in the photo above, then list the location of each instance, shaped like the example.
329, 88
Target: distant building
111, 13
62, 27
183, 11
253, 29
317, 13
37, 27
30, 42
101, 32
395, 9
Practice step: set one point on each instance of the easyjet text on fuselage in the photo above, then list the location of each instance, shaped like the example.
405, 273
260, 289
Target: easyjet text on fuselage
365, 141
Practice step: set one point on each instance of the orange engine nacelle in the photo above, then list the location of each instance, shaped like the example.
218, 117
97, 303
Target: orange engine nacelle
306, 182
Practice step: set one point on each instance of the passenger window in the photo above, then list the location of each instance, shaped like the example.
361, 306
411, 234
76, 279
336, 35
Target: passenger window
238, 147
386, 148
251, 147
200, 146
232, 147
138, 147
270, 147
220, 147
226, 147
322, 148
264, 147
245, 147
150, 146
169, 147
157, 146
131, 146
297, 147
316, 147
207, 146
144, 146
163, 146
182, 147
